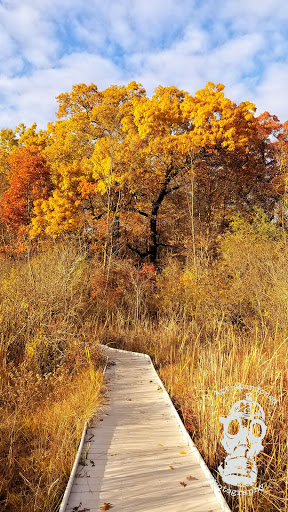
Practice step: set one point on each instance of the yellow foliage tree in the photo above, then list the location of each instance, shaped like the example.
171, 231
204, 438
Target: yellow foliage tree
121, 156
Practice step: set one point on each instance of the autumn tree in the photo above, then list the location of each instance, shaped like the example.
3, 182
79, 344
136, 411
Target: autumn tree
201, 142
8, 144
29, 179
123, 164
274, 156
90, 155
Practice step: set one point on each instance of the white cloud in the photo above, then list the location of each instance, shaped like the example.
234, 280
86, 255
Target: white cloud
32, 99
30, 36
251, 13
271, 94
190, 66
48, 46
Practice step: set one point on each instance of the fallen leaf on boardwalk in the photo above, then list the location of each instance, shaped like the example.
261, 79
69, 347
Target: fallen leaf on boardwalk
159, 388
129, 399
151, 380
106, 506
171, 467
192, 478
183, 453
183, 483
159, 444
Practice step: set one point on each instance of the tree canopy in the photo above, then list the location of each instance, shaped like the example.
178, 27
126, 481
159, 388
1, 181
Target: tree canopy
138, 175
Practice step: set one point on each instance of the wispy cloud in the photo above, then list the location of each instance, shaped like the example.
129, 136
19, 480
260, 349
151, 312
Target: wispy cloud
47, 47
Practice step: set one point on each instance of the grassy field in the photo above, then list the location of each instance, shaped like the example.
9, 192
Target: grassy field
208, 323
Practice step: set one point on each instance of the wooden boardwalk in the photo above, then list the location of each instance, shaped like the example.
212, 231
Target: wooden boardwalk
135, 456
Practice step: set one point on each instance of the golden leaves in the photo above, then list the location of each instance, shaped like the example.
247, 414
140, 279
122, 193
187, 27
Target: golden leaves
215, 119
118, 142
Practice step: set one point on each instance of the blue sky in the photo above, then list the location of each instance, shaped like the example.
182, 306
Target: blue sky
46, 46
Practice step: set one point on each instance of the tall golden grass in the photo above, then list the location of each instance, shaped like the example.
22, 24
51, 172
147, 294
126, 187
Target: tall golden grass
51, 375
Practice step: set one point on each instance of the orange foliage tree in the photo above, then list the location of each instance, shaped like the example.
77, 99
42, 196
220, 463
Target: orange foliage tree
29, 179
274, 155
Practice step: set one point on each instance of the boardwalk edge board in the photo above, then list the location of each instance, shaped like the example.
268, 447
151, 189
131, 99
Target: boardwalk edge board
194, 449
66, 495
73, 472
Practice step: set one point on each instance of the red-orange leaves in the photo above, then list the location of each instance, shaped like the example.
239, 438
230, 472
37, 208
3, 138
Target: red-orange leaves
29, 179
106, 506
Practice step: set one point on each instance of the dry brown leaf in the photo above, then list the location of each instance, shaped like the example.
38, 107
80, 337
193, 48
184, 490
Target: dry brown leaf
191, 478
183, 483
106, 506
171, 467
